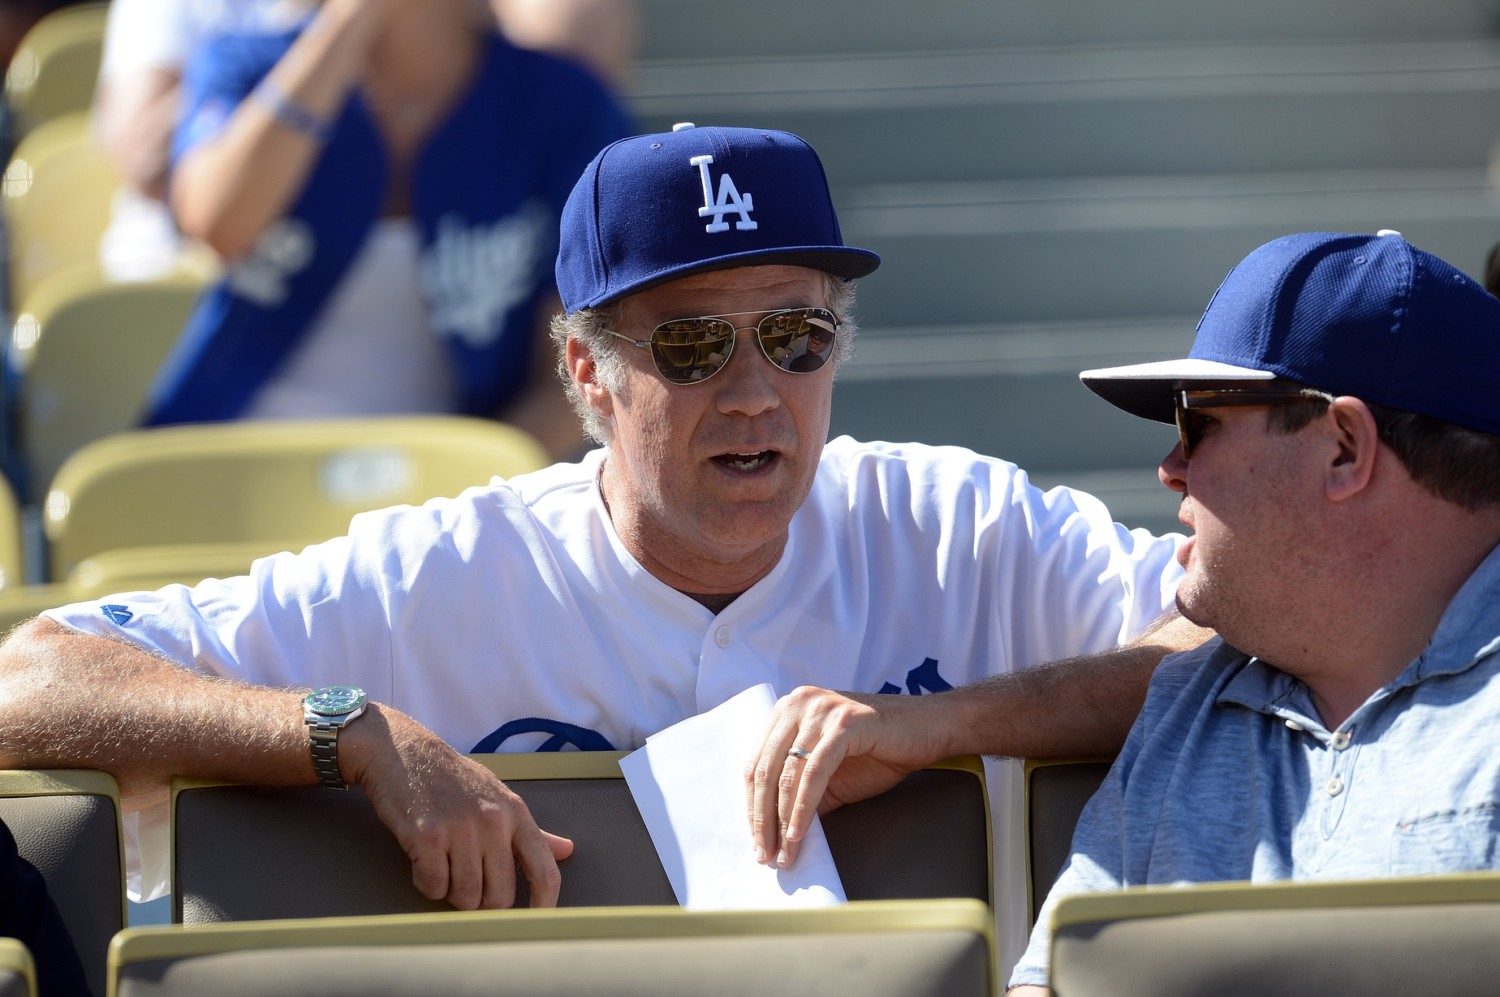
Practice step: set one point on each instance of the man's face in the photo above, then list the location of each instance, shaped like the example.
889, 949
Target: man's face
710, 473
1248, 495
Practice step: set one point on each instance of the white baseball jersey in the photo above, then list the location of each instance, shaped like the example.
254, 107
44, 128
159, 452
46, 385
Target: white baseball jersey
512, 618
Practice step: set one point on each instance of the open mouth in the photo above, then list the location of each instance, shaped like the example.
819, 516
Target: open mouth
746, 462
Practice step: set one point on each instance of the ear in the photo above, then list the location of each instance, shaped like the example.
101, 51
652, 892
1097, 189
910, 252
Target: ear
1356, 440
580, 361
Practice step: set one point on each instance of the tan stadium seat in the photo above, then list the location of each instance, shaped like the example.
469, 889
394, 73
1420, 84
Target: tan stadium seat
1056, 790
928, 837
1433, 935
56, 66
17, 971
281, 485
84, 352
880, 949
58, 189
12, 556
67, 823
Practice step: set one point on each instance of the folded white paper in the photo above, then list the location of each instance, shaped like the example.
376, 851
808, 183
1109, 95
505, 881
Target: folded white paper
688, 782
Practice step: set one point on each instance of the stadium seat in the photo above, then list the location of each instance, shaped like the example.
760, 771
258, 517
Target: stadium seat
1056, 790
55, 68
17, 972
67, 823
927, 838
1432, 935
894, 948
58, 189
12, 557
83, 355
281, 485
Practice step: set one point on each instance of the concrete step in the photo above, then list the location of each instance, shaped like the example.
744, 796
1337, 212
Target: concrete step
796, 27
1142, 110
1036, 251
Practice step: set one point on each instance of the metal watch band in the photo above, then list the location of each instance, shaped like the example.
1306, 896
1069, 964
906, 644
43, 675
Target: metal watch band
324, 736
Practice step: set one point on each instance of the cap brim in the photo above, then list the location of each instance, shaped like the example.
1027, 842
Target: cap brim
841, 261
1145, 389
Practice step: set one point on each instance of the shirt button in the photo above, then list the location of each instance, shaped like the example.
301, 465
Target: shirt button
1341, 740
722, 636
1335, 786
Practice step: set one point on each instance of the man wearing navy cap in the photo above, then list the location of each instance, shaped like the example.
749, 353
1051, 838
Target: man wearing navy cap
714, 542
1339, 465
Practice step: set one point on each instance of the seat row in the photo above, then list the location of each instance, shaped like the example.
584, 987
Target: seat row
303, 891
304, 867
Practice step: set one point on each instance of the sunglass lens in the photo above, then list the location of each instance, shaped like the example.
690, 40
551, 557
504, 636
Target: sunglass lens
691, 349
800, 340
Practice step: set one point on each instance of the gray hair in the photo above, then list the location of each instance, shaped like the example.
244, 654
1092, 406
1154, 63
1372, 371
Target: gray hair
589, 326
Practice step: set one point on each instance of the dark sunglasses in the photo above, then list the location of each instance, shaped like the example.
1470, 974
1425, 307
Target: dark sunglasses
1190, 424
689, 350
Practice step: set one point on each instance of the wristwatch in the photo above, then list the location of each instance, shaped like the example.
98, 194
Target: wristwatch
327, 711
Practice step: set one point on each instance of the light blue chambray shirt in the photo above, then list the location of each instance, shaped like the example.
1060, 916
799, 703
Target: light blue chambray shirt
1228, 774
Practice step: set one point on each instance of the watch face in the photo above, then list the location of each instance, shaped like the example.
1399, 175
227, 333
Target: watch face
335, 700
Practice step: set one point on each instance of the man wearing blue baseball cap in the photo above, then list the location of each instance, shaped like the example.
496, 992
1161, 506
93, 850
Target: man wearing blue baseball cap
714, 542
1339, 465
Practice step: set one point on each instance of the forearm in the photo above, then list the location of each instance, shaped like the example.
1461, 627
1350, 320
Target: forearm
229, 190
75, 700
1076, 706
134, 118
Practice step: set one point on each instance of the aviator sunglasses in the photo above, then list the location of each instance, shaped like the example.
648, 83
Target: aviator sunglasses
689, 350
1190, 421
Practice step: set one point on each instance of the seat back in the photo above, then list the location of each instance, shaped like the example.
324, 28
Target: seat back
56, 66
281, 485
1056, 791
905, 948
58, 190
1420, 935
17, 971
12, 556
67, 823
928, 837
83, 356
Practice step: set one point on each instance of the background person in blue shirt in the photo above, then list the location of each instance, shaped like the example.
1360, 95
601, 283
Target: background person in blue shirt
1340, 467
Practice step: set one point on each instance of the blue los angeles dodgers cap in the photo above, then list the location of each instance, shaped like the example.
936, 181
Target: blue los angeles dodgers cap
653, 208
1365, 315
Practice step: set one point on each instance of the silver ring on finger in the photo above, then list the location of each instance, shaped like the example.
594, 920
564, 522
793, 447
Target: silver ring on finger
799, 752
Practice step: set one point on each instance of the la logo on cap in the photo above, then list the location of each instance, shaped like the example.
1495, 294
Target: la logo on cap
730, 200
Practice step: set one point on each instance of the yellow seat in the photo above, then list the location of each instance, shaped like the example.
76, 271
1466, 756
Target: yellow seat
926, 838
281, 485
882, 949
56, 67
17, 971
1433, 935
83, 356
58, 191
12, 555
67, 823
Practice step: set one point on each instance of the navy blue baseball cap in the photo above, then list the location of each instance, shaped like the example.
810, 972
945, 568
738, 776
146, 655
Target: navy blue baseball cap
653, 208
1365, 315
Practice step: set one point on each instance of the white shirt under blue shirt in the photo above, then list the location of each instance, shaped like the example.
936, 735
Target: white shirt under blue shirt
1229, 774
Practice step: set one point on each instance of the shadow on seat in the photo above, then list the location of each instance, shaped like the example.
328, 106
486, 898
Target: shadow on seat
67, 823
896, 948
928, 837
1056, 790
1432, 935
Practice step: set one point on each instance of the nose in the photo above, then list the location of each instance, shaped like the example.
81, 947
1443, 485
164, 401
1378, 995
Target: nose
1172, 471
747, 384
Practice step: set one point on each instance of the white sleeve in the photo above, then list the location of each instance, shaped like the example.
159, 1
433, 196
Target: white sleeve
146, 34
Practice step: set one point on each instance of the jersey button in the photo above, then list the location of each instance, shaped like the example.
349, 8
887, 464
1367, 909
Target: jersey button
1341, 740
1335, 786
722, 636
